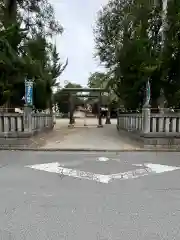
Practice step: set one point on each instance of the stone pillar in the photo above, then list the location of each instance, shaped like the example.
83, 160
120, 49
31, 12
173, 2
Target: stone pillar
108, 117
99, 112
27, 119
161, 119
146, 116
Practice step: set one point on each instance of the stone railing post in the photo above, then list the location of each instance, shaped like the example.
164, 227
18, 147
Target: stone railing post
161, 120
146, 114
27, 119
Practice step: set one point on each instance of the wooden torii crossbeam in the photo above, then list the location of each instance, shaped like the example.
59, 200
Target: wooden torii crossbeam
98, 90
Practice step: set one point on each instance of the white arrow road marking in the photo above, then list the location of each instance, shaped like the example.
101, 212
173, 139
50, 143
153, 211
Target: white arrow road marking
158, 168
56, 168
149, 168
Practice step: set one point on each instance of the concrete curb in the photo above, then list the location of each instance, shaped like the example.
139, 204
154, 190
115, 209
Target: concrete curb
86, 150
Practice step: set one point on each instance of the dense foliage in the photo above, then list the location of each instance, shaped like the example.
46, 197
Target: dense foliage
27, 51
137, 41
103, 80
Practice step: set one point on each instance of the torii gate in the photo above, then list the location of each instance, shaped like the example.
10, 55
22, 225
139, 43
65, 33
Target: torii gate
99, 92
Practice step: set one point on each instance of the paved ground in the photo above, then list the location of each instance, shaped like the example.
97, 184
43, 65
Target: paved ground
42, 205
90, 137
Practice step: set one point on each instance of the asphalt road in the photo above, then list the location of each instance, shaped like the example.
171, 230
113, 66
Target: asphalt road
41, 205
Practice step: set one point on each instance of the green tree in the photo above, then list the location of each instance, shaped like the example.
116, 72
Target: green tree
98, 80
26, 31
127, 40
171, 54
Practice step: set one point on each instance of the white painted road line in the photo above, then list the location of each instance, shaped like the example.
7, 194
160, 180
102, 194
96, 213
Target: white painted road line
149, 168
103, 159
138, 165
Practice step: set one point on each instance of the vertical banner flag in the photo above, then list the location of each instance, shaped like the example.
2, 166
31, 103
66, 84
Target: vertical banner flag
148, 92
29, 93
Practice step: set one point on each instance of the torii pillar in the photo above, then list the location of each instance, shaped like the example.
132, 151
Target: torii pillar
71, 120
99, 112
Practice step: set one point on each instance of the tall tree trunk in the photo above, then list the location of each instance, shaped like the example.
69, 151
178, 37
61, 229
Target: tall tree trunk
10, 18
10, 13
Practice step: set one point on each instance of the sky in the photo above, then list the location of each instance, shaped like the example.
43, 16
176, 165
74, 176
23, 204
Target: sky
77, 41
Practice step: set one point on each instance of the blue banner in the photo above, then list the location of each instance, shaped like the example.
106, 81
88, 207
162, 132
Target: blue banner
29, 93
148, 91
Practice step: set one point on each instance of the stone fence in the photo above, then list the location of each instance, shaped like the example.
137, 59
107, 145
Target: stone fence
18, 128
153, 129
